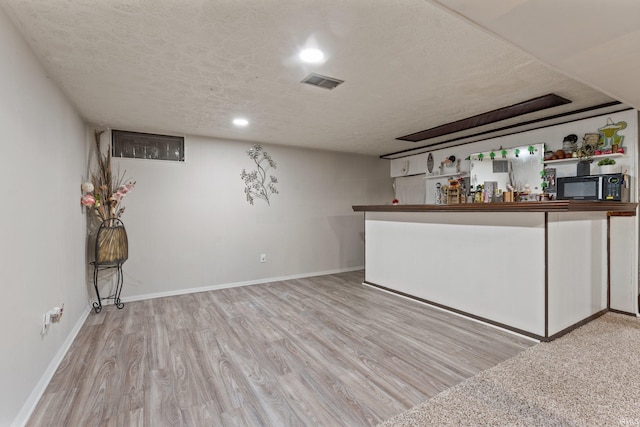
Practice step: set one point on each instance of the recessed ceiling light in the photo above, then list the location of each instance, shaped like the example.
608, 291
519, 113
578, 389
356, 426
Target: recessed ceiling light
240, 122
312, 56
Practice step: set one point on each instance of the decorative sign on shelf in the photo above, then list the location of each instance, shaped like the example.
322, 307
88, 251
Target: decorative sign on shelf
430, 163
609, 135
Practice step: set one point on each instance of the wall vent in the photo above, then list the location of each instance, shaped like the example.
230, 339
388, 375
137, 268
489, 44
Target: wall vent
322, 81
500, 166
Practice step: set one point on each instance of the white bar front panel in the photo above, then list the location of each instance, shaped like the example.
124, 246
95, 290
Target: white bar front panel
490, 265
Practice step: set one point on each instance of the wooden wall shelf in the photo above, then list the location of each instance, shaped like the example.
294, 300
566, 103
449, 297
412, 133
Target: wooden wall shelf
576, 159
448, 175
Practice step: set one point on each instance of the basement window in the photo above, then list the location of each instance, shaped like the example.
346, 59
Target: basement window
147, 146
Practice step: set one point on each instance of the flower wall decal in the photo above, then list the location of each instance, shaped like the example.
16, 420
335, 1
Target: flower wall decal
259, 185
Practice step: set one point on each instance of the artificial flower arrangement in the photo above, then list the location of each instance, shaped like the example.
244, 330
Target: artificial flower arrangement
105, 192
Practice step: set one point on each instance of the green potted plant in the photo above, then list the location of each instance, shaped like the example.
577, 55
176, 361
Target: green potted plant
607, 165
585, 157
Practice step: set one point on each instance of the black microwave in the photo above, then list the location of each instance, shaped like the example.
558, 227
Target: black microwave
613, 187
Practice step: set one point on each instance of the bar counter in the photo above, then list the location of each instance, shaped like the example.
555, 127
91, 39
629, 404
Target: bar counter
546, 206
536, 268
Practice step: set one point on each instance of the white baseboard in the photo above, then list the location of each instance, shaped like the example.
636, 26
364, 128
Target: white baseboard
236, 284
28, 407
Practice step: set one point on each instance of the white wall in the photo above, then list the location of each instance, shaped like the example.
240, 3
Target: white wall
190, 226
552, 136
42, 231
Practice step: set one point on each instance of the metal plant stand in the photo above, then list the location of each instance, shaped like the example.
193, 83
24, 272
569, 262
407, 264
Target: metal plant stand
112, 250
97, 306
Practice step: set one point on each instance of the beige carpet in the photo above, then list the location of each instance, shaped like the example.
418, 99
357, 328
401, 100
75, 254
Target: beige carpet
590, 377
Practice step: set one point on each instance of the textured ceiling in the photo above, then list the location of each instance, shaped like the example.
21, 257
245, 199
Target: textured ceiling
593, 41
190, 66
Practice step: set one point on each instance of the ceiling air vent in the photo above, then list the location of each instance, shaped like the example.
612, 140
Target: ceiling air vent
322, 81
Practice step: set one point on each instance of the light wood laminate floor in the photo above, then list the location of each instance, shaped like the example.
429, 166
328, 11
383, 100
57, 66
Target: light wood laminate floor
318, 351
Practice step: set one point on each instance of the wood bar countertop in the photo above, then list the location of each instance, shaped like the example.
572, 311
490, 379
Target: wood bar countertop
620, 208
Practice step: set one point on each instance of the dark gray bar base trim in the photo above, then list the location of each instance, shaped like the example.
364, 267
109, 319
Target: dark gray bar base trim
577, 325
498, 324
463, 313
626, 313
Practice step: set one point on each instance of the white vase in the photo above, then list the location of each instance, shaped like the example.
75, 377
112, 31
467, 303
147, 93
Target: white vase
607, 169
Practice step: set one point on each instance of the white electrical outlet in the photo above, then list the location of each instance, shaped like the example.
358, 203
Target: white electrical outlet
263, 257
55, 314
52, 316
